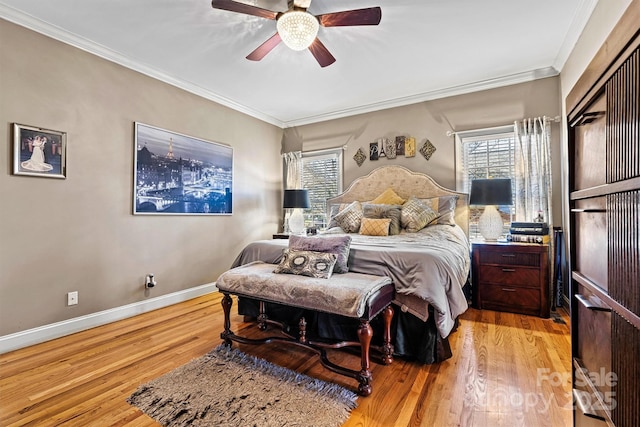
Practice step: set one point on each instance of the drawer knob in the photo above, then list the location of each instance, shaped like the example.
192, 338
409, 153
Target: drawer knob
508, 270
508, 255
508, 289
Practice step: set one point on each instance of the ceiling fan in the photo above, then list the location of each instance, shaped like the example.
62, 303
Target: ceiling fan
298, 29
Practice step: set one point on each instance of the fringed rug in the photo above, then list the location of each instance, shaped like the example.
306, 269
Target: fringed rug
229, 388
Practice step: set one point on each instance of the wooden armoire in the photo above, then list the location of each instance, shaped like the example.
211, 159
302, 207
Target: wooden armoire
603, 117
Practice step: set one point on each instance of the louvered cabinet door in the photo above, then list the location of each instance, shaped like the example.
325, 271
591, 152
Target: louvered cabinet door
604, 234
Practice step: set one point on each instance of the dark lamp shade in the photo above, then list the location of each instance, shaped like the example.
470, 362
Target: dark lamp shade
296, 199
490, 192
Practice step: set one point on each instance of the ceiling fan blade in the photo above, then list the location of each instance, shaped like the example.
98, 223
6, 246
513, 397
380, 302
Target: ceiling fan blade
321, 53
266, 47
367, 16
243, 8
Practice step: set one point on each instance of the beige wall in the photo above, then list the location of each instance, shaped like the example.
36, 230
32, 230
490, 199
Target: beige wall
79, 234
431, 120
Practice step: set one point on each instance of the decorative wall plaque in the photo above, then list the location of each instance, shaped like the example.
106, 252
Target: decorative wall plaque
400, 145
389, 148
427, 149
410, 147
360, 156
373, 151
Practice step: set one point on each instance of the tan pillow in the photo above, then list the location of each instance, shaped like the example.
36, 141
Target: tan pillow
375, 226
388, 197
384, 211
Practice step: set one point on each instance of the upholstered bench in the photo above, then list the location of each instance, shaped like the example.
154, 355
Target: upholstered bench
354, 295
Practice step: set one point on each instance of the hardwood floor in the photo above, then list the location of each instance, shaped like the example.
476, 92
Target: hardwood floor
506, 370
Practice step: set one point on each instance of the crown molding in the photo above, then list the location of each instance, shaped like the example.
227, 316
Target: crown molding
59, 34
39, 26
582, 15
431, 95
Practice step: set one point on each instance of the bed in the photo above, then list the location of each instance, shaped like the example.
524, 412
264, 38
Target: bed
429, 267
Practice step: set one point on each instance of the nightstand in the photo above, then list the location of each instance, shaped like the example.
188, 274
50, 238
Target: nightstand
511, 277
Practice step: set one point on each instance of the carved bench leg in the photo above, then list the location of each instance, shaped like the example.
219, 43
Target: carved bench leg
262, 317
387, 347
364, 377
302, 327
226, 307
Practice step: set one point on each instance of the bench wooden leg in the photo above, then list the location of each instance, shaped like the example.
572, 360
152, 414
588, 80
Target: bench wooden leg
387, 347
262, 317
302, 327
226, 307
364, 376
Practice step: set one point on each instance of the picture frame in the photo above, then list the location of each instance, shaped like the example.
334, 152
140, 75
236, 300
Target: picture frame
39, 152
177, 174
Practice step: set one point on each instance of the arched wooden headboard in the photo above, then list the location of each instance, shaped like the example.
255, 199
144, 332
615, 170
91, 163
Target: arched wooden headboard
405, 183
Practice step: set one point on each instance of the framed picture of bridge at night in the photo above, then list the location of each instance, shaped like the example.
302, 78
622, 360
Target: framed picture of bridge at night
176, 174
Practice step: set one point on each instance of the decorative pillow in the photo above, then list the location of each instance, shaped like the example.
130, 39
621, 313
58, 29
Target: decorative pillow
446, 208
337, 245
349, 218
388, 197
416, 215
375, 226
384, 211
307, 263
333, 211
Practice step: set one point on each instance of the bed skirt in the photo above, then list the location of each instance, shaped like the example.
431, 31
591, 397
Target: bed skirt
412, 338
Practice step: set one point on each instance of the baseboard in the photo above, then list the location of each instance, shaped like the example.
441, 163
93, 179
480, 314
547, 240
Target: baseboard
56, 330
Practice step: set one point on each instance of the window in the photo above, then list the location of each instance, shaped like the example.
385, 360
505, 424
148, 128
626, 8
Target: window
322, 176
488, 153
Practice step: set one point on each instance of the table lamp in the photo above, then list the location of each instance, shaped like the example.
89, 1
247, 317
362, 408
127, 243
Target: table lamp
296, 200
490, 193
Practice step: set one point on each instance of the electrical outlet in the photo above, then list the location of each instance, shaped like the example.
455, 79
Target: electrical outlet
72, 298
149, 281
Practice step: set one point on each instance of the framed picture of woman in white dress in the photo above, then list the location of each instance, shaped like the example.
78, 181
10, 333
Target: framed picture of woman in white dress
39, 152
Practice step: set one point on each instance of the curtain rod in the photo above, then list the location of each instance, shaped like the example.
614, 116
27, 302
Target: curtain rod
450, 133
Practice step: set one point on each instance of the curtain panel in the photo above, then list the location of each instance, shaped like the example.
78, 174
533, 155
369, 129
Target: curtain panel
293, 170
533, 170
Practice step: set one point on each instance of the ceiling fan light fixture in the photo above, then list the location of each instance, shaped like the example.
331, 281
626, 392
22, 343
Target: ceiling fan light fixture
298, 29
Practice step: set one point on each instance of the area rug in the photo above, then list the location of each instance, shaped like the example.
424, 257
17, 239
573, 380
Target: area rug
227, 387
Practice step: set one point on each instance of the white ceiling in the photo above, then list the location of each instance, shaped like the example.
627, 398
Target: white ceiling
422, 49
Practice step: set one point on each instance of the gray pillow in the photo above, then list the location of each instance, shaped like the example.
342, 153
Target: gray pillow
307, 263
446, 208
333, 211
337, 245
370, 210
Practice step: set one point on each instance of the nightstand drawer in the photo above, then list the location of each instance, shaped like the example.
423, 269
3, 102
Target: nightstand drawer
511, 298
509, 275
507, 257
